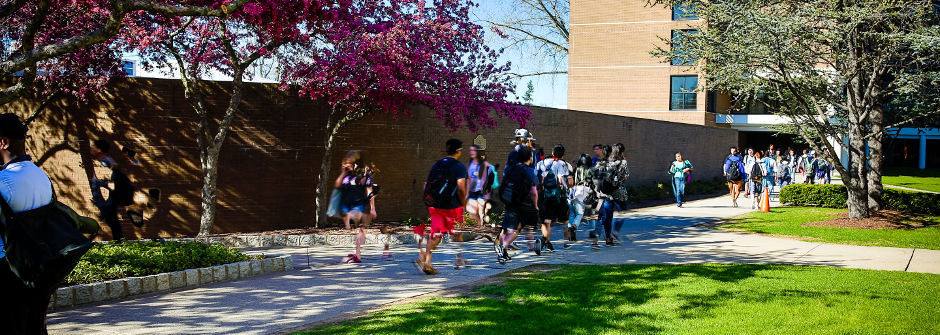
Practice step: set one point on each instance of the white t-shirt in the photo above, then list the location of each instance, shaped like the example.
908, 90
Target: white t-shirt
24, 186
561, 168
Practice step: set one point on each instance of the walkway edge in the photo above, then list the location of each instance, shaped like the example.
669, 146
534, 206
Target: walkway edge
132, 286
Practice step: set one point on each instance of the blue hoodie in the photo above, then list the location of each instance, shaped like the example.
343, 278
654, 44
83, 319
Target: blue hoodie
734, 159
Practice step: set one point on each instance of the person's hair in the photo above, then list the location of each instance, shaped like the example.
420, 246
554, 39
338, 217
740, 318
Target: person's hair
453, 145
620, 150
584, 160
481, 160
606, 150
598, 146
758, 154
558, 151
678, 153
523, 154
103, 145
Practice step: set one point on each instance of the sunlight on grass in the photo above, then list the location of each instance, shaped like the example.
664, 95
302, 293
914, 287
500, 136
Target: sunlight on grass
675, 299
928, 179
788, 221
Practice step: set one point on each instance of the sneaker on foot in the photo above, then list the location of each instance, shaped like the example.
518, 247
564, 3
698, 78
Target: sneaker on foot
548, 245
428, 270
498, 249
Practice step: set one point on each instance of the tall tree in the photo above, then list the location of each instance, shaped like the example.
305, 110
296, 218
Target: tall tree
400, 54
228, 44
537, 29
829, 66
52, 45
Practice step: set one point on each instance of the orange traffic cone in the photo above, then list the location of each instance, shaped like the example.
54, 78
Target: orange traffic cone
765, 203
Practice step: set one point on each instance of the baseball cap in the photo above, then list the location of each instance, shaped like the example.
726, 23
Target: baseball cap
523, 133
12, 127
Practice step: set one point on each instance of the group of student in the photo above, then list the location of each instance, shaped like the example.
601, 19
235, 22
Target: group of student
759, 173
536, 190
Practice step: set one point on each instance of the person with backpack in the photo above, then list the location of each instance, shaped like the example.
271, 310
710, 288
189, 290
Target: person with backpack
523, 139
758, 172
358, 188
120, 196
445, 194
821, 166
578, 196
519, 193
733, 170
809, 167
556, 178
784, 173
481, 179
24, 186
680, 170
610, 178
749, 162
770, 168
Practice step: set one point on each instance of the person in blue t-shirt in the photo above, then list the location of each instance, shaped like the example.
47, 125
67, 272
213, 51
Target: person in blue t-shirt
733, 170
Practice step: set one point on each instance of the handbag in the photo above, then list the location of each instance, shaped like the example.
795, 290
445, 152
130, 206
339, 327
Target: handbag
43, 245
332, 209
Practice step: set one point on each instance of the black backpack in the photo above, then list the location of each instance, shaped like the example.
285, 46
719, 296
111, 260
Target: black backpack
515, 187
123, 193
440, 187
756, 172
606, 179
733, 172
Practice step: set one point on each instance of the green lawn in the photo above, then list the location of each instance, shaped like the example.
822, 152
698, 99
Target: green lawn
674, 299
789, 221
928, 179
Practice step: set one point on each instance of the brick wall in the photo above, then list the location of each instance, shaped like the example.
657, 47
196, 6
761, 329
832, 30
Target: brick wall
270, 162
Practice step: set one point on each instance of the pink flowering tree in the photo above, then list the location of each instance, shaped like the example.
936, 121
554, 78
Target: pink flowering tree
198, 47
52, 46
398, 54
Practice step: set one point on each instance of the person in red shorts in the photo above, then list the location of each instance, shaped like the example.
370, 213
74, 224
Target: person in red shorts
446, 196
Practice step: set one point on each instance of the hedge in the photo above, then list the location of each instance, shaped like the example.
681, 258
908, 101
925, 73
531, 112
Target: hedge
663, 190
836, 196
116, 260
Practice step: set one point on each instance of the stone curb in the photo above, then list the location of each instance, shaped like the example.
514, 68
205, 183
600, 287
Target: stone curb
128, 287
308, 240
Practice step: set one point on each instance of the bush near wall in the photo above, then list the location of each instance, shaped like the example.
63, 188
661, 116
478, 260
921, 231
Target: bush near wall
663, 190
836, 196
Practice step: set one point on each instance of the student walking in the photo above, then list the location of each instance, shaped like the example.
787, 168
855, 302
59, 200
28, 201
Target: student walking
524, 139
480, 173
784, 173
24, 186
809, 167
355, 181
520, 194
556, 178
445, 194
749, 161
757, 180
680, 170
578, 195
121, 195
610, 178
733, 170
770, 168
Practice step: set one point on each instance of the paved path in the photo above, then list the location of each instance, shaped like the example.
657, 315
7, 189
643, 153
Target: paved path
320, 289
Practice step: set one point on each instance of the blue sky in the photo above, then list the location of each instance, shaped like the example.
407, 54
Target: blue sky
551, 90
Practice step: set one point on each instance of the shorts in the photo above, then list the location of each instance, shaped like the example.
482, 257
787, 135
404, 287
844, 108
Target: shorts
444, 220
478, 196
553, 210
346, 209
516, 219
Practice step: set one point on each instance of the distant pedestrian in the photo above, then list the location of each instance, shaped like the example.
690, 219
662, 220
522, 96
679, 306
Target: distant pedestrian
749, 161
24, 187
598, 154
556, 178
520, 194
119, 196
822, 169
358, 189
757, 181
479, 172
610, 178
784, 173
809, 167
578, 195
679, 170
523, 140
770, 168
445, 194
733, 170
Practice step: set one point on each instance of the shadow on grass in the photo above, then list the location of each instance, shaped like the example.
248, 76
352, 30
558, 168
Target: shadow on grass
571, 299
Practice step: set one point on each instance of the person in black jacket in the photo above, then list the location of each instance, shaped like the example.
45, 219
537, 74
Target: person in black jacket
121, 195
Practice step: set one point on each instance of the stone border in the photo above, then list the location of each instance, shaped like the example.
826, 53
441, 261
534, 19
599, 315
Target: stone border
131, 286
305, 240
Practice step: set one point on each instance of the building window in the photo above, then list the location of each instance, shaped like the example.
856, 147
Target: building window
129, 68
682, 12
682, 93
680, 57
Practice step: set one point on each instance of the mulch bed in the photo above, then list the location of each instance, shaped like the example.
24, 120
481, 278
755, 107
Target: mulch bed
878, 220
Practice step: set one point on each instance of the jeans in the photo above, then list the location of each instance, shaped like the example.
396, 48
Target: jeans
607, 216
575, 213
678, 188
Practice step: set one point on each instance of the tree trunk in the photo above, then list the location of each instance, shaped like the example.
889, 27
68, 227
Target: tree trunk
876, 159
857, 182
323, 183
210, 189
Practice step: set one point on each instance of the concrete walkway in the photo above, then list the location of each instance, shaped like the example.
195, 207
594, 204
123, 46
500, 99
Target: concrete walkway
320, 289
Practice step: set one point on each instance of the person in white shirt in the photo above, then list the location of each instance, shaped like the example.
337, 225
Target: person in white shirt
554, 197
24, 186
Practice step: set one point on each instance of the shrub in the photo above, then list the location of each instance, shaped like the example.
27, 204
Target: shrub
130, 259
836, 196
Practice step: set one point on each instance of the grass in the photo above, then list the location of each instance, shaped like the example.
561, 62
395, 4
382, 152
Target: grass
928, 180
674, 299
789, 221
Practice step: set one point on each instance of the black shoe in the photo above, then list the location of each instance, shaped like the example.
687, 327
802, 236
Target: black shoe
499, 249
571, 234
506, 254
538, 247
548, 245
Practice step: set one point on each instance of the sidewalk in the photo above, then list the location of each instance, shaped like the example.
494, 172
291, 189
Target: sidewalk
320, 289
